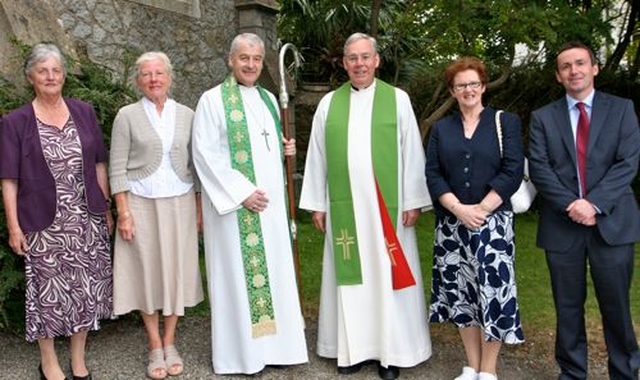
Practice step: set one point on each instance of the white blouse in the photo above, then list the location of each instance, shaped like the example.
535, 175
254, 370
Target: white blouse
164, 182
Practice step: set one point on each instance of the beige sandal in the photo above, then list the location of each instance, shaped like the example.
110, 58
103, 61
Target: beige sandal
157, 368
175, 366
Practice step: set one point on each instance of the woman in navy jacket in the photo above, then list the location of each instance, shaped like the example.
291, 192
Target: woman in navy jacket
471, 183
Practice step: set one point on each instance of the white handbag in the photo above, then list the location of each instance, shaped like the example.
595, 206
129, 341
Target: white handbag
522, 199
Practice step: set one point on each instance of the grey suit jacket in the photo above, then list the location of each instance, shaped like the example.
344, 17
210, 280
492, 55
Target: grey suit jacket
612, 163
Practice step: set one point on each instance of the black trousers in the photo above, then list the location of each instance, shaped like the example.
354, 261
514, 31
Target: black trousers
611, 269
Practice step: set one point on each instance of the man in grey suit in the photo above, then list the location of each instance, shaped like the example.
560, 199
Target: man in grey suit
589, 211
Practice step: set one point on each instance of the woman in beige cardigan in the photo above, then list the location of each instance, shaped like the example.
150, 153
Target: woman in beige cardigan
156, 193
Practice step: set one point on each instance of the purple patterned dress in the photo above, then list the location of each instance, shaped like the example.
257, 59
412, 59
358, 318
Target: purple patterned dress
68, 267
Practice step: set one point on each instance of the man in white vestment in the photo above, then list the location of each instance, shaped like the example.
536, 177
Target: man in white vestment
364, 181
238, 151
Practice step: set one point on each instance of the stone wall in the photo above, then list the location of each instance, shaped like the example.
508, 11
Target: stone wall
195, 34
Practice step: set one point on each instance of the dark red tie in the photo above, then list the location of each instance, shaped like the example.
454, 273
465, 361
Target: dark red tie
582, 139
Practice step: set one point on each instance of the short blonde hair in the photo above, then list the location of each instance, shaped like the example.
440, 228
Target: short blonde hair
154, 56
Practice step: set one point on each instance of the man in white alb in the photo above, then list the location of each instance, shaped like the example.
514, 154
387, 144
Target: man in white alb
364, 181
238, 153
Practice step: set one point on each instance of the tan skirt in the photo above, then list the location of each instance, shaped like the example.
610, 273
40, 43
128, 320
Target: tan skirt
158, 269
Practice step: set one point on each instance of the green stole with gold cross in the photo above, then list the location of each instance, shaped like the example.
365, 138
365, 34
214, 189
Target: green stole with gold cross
384, 149
251, 242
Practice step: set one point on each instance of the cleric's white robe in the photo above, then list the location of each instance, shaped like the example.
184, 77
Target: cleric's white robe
223, 190
371, 320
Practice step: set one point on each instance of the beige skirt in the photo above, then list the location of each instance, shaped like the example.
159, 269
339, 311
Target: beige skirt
159, 268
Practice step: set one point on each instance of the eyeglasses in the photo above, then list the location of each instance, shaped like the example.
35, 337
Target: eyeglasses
366, 58
463, 86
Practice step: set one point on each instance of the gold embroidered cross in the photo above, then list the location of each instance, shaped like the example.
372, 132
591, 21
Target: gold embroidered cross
391, 248
345, 241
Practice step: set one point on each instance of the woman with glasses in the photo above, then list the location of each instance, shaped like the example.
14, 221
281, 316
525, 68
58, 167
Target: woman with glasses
471, 182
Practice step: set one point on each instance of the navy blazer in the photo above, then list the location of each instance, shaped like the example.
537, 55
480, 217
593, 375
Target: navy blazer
470, 168
612, 163
21, 158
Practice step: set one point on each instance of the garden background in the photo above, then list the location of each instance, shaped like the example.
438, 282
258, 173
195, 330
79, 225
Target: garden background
516, 39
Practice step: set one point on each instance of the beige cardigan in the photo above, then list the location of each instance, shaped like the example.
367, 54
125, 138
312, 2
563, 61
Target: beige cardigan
136, 148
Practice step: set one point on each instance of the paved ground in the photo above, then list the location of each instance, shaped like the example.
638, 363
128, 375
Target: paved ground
117, 352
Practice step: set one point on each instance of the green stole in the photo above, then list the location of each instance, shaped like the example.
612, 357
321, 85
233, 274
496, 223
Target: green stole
251, 244
384, 149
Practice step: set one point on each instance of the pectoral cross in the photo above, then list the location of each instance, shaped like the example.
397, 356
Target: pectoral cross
266, 138
345, 241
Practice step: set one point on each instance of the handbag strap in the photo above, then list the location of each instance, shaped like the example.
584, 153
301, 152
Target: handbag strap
499, 130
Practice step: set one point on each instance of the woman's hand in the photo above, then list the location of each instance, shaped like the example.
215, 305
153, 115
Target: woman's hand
471, 216
18, 242
126, 226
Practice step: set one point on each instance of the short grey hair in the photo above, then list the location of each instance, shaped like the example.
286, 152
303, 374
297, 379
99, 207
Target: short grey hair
40, 53
155, 56
357, 37
251, 39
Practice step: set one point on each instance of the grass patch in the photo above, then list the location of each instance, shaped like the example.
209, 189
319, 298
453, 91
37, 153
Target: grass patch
532, 275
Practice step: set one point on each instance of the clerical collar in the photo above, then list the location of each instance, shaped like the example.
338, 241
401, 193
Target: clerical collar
360, 89
244, 85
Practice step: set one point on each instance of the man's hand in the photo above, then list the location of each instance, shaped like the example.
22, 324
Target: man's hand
583, 212
256, 202
289, 147
319, 220
409, 218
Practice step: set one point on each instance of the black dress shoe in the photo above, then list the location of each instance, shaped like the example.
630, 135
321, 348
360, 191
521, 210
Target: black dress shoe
388, 373
350, 370
42, 375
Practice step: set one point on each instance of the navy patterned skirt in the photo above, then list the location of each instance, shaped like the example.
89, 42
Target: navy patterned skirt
474, 277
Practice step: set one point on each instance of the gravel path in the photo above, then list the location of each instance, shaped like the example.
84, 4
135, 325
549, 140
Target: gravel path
117, 351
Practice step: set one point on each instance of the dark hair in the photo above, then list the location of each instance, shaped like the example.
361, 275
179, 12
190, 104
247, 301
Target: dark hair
577, 45
465, 63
